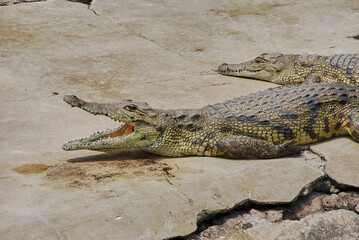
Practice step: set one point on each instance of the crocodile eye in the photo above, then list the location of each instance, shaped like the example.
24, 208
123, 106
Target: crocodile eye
259, 60
130, 107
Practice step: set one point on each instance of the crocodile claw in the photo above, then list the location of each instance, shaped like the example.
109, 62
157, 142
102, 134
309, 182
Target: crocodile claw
295, 150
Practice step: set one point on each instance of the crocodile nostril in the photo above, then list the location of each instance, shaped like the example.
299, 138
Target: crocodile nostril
223, 67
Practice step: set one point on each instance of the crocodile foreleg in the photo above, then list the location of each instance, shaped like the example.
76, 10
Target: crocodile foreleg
243, 146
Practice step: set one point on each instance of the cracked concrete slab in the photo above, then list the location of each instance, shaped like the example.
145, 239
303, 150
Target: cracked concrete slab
340, 224
163, 53
298, 220
342, 164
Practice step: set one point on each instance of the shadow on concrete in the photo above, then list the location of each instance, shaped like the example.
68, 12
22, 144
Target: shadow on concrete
128, 155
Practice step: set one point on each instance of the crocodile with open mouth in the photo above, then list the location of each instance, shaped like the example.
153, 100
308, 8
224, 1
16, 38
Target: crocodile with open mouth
297, 69
273, 123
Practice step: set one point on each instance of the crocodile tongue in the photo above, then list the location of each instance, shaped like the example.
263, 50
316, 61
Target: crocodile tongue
126, 129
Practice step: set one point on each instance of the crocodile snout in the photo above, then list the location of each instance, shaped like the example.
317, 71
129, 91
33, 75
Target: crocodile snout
223, 67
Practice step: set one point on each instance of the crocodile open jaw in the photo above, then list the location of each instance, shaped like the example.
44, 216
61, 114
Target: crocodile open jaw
135, 133
101, 137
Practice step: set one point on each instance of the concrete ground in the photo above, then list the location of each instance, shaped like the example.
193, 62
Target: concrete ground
164, 53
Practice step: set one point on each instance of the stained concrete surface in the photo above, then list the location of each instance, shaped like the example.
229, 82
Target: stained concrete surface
164, 53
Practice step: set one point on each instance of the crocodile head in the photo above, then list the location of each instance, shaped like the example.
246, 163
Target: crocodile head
266, 66
139, 131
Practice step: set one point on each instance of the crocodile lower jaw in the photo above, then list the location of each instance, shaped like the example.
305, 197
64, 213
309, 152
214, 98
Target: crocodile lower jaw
101, 137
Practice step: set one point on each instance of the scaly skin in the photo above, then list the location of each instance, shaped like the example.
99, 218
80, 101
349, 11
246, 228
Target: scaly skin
297, 69
273, 123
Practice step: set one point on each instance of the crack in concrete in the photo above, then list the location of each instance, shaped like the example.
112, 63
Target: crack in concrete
169, 175
188, 198
147, 38
93, 10
323, 185
290, 211
130, 29
89, 7
315, 159
153, 41
87, 2
319, 154
190, 201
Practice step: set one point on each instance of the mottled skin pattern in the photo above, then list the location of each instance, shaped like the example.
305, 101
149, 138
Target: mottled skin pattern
267, 124
297, 69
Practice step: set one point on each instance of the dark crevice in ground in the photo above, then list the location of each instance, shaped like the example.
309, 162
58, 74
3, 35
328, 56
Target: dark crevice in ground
325, 195
11, 2
356, 37
87, 2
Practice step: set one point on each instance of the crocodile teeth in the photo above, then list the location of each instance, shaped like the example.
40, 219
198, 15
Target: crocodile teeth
104, 138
